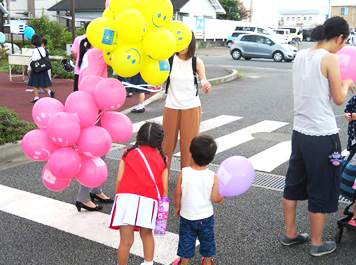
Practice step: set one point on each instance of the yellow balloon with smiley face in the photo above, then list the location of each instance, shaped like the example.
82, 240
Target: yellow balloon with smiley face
157, 13
155, 72
130, 26
159, 44
101, 34
127, 59
181, 33
107, 57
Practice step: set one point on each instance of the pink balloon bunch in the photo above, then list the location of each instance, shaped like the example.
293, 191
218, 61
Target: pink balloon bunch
347, 62
68, 137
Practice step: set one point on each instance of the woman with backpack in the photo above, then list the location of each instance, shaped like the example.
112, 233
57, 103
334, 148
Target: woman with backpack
182, 110
41, 79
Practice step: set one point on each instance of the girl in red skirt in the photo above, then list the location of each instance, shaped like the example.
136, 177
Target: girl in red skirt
136, 202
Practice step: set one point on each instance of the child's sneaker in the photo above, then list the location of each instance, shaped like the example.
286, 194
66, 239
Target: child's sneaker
176, 261
301, 238
352, 221
326, 248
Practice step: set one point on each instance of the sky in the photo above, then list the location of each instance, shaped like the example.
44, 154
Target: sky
312, 4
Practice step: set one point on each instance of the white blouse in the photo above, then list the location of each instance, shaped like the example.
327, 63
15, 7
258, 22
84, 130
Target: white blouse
36, 55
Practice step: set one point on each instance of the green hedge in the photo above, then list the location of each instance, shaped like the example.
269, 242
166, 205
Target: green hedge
11, 128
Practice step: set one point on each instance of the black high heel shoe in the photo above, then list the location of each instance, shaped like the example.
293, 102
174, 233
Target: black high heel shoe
94, 196
80, 205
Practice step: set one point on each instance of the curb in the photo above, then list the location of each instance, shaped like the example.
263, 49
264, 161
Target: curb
11, 150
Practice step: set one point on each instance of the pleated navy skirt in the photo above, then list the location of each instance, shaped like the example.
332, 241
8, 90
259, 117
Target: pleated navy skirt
40, 80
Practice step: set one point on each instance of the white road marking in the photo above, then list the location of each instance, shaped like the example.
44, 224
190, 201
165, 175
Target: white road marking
90, 225
273, 157
137, 125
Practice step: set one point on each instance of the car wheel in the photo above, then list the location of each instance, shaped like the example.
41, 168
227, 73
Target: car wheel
278, 56
236, 54
229, 44
247, 58
308, 39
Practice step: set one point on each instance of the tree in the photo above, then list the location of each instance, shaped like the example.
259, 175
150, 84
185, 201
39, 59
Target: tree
235, 10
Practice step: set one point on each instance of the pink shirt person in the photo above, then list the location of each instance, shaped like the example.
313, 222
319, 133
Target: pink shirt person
93, 64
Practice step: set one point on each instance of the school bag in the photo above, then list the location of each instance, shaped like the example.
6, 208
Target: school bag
41, 65
194, 67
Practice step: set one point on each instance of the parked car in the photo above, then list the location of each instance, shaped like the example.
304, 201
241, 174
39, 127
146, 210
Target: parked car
246, 26
233, 37
306, 34
295, 32
261, 46
285, 33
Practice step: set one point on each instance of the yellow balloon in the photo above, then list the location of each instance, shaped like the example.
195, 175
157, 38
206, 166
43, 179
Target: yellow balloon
108, 13
159, 44
157, 13
101, 34
107, 57
181, 33
127, 59
155, 72
130, 26
120, 5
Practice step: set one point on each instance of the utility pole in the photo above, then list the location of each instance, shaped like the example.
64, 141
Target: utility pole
8, 10
251, 10
73, 20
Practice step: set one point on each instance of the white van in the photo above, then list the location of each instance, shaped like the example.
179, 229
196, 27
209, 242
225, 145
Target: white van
285, 33
295, 32
249, 26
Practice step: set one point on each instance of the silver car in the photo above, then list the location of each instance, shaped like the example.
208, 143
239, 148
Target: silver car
260, 46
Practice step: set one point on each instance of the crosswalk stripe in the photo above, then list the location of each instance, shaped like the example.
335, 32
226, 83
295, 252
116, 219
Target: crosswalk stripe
273, 157
244, 135
137, 125
90, 225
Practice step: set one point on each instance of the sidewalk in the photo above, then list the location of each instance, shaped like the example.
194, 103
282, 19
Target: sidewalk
13, 94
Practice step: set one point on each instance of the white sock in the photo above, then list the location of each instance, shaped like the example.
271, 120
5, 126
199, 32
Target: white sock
140, 106
49, 92
36, 98
147, 263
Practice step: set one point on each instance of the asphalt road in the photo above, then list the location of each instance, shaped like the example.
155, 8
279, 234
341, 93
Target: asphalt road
247, 227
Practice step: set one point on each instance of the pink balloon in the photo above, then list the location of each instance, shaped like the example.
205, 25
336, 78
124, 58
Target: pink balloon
107, 3
52, 183
89, 83
347, 62
37, 146
44, 109
94, 141
63, 129
93, 172
110, 94
118, 125
64, 163
82, 104
236, 175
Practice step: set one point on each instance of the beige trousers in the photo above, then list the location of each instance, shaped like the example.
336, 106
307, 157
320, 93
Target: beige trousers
187, 123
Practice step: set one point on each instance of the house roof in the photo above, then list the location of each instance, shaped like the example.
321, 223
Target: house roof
80, 6
178, 4
300, 12
3, 10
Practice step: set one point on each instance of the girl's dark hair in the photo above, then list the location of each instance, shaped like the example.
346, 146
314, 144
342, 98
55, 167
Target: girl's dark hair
191, 48
85, 45
36, 40
331, 28
150, 134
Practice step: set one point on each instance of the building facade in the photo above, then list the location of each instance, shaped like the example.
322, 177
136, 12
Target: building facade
302, 18
347, 12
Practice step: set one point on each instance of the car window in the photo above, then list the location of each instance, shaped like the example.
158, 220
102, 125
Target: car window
235, 34
249, 38
239, 28
293, 30
262, 31
268, 41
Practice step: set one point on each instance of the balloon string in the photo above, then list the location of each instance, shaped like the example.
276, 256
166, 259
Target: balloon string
142, 87
101, 114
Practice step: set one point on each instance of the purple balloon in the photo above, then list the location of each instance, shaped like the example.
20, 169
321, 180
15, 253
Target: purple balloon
236, 175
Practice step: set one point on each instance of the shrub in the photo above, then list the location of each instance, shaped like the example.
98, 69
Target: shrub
12, 129
59, 72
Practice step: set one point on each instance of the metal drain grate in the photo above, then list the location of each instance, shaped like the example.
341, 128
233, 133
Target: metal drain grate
262, 180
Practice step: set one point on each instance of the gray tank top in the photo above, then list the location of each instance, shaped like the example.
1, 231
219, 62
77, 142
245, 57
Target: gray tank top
313, 114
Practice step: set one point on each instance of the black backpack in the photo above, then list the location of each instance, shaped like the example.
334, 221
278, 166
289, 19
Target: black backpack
194, 67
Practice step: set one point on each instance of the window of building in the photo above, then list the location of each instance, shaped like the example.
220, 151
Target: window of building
305, 18
298, 18
287, 18
293, 18
344, 11
310, 18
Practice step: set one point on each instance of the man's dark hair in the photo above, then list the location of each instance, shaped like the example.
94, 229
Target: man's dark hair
36, 40
203, 149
